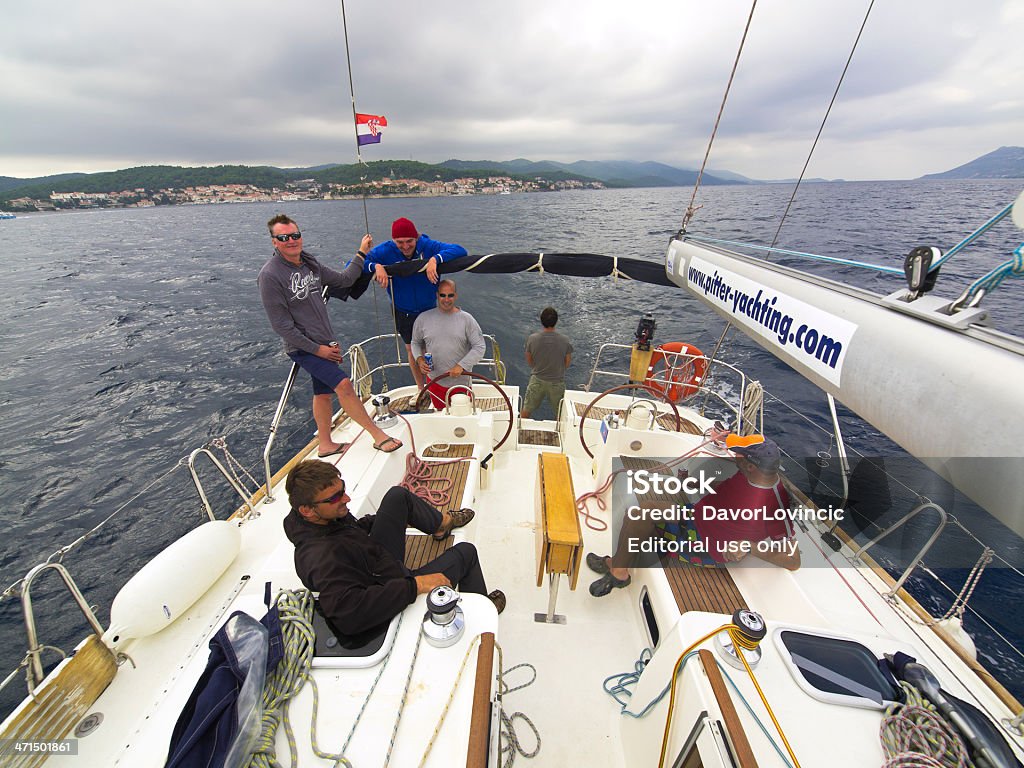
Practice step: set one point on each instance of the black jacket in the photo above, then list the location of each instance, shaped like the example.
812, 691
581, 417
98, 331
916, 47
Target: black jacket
361, 584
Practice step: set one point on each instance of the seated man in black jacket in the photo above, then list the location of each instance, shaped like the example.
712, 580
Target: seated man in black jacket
357, 565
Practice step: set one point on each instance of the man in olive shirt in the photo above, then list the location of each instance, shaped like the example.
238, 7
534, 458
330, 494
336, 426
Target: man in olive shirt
548, 353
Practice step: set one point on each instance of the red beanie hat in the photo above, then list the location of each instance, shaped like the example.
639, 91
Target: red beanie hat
403, 228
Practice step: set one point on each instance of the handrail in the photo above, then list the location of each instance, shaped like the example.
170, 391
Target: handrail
227, 476
35, 668
943, 519
275, 422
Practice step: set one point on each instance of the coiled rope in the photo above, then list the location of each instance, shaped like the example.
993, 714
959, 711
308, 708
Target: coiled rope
509, 744
295, 609
361, 370
419, 478
915, 735
753, 406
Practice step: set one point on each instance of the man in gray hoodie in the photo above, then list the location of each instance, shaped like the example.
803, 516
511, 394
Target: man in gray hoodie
290, 287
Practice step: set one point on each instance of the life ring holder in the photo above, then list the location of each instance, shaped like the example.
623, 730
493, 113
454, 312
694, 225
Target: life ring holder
485, 380
645, 387
682, 381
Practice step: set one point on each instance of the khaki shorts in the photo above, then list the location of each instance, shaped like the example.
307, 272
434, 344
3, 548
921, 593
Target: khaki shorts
537, 390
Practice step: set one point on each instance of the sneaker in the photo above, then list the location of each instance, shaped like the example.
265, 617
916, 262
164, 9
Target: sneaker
457, 519
607, 583
498, 598
597, 563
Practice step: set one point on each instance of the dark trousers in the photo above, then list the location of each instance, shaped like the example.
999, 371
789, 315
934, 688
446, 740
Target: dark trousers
400, 509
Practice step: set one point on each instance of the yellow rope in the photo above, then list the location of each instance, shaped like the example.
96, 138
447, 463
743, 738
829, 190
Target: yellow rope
741, 641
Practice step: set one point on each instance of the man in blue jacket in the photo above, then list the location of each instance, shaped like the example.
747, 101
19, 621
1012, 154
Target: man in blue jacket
416, 293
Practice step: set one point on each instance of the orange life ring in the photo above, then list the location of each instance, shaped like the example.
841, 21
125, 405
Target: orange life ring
677, 369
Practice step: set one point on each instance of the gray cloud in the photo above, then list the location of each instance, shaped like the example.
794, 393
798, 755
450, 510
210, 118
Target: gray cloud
114, 84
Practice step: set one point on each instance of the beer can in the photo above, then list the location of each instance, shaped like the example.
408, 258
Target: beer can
430, 360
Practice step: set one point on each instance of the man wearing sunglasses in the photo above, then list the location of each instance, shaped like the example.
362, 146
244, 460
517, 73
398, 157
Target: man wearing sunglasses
290, 286
357, 565
415, 293
453, 339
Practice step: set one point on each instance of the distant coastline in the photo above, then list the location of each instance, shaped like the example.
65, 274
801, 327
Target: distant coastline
148, 186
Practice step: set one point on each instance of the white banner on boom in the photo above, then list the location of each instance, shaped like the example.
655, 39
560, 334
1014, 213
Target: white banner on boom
806, 334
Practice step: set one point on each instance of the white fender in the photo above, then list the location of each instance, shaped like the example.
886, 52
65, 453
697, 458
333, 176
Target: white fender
954, 626
171, 582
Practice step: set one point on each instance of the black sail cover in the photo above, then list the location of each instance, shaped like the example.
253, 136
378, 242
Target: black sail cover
569, 264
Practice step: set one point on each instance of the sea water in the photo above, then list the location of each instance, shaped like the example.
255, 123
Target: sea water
131, 337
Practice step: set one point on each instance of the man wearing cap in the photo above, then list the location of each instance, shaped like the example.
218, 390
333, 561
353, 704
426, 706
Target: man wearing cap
730, 522
416, 293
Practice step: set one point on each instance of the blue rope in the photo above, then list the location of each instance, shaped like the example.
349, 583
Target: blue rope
622, 693
816, 257
989, 282
1003, 269
972, 237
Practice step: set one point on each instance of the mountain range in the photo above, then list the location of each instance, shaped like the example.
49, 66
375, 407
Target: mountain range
1003, 163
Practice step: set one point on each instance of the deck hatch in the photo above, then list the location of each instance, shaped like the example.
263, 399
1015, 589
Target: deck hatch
835, 670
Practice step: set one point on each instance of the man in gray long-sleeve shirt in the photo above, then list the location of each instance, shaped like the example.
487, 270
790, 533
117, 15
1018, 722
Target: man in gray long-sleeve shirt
453, 339
290, 287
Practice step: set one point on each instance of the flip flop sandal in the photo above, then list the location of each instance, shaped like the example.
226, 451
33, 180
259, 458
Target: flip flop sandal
395, 445
341, 449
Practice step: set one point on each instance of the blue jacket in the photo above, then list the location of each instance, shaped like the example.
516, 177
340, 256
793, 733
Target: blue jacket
416, 293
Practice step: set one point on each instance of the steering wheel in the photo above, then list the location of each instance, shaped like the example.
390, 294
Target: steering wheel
646, 387
480, 377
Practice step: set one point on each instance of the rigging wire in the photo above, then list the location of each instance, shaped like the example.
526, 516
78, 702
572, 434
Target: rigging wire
690, 210
821, 128
366, 216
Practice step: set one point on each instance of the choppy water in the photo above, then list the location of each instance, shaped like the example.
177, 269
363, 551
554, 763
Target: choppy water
130, 337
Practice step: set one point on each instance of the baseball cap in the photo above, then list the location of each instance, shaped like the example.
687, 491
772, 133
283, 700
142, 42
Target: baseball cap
757, 449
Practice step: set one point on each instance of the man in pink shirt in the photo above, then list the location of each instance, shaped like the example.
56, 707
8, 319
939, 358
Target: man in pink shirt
726, 526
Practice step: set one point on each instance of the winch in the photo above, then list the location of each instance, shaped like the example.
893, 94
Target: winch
384, 418
444, 621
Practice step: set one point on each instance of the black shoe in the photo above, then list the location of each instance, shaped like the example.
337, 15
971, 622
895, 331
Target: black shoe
607, 583
597, 563
498, 598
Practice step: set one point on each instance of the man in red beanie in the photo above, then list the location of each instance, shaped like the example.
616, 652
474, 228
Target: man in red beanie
416, 293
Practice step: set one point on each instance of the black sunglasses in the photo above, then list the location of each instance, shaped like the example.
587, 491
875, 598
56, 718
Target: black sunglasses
446, 295
333, 499
286, 238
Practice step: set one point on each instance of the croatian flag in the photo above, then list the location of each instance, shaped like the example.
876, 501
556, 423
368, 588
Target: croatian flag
368, 128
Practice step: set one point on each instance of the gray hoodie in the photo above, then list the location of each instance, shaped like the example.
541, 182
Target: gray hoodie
291, 297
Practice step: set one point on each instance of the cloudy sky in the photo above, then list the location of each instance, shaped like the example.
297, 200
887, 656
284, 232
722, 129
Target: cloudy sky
117, 83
